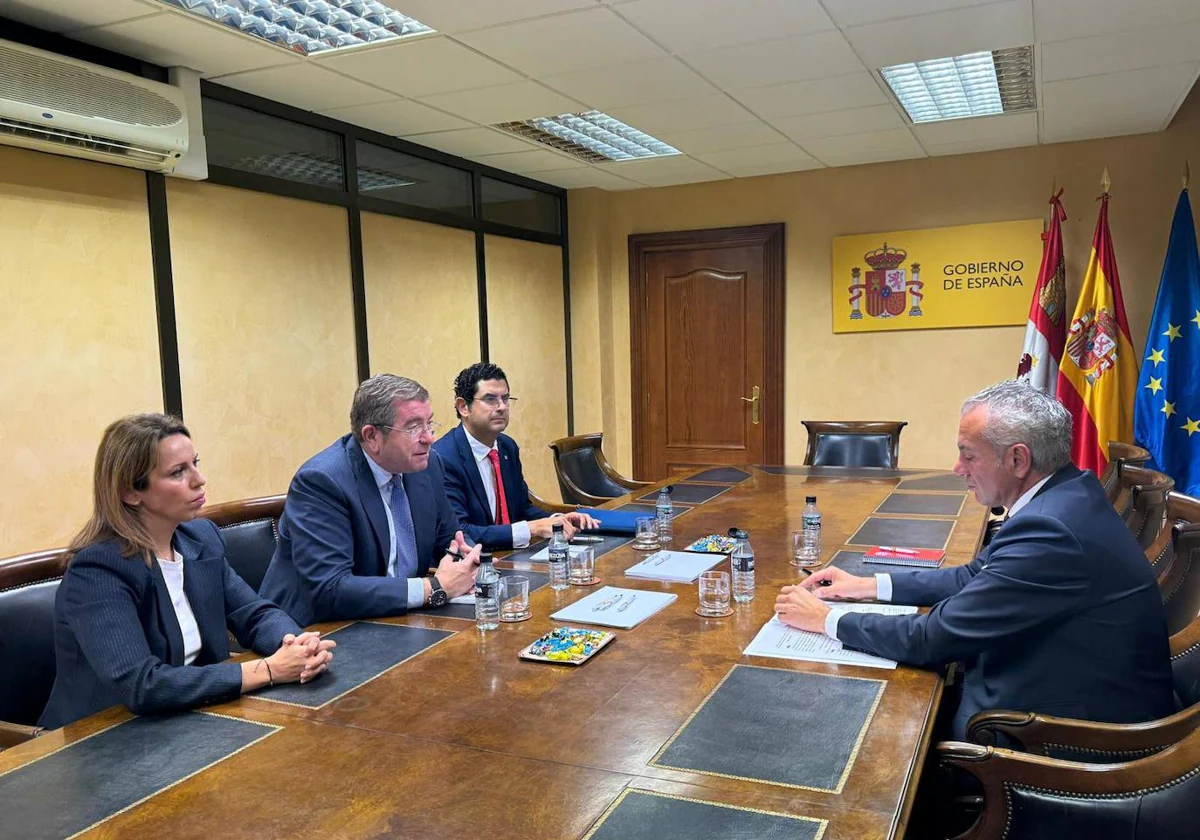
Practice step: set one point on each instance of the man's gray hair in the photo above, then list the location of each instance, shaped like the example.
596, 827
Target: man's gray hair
1020, 413
374, 402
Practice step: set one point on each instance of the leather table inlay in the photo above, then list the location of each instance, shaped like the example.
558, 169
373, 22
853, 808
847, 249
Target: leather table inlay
837, 472
536, 581
904, 533
771, 725
648, 815
852, 562
611, 543
365, 649
721, 475
688, 494
926, 504
949, 483
94, 779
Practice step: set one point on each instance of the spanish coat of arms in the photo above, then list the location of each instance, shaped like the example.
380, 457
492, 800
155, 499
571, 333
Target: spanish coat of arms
886, 285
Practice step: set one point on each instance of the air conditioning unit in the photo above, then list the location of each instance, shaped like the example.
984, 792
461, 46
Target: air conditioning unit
56, 104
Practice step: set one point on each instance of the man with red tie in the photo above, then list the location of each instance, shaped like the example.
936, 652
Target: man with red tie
482, 465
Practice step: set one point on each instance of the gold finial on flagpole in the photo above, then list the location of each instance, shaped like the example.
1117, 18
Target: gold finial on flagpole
1105, 181
1187, 174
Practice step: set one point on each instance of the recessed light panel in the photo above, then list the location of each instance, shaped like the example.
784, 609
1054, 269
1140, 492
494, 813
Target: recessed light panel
972, 85
592, 136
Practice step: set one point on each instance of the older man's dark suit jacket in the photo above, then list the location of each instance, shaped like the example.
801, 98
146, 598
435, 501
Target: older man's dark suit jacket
331, 560
1060, 614
117, 640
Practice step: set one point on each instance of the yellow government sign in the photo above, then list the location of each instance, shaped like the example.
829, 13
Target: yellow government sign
965, 276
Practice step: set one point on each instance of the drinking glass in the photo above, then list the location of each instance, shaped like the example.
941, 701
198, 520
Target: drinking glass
582, 565
647, 533
798, 558
714, 593
514, 598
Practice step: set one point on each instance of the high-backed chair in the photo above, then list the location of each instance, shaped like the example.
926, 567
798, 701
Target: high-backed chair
28, 584
853, 443
1120, 454
584, 475
1178, 562
251, 530
1142, 501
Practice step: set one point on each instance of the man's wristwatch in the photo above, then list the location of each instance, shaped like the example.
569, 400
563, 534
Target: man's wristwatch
438, 596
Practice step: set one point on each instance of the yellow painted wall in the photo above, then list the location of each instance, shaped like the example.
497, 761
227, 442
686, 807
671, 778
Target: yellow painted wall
79, 343
422, 304
266, 331
918, 376
527, 337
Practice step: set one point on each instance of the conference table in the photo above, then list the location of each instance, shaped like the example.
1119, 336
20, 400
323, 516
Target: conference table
427, 728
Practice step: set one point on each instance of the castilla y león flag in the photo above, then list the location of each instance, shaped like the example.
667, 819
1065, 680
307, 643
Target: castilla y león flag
1098, 371
1045, 334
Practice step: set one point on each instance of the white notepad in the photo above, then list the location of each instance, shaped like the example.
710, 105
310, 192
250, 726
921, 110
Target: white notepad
779, 641
544, 554
674, 566
625, 608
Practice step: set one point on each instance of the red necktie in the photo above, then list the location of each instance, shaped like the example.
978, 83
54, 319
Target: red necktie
501, 502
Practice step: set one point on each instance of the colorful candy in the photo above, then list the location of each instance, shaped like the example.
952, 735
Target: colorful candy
568, 644
713, 544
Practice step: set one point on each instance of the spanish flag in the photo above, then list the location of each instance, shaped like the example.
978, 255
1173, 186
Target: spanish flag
1098, 372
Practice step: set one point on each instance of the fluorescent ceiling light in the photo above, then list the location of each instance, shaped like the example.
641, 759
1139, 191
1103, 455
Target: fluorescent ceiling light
972, 85
308, 26
592, 136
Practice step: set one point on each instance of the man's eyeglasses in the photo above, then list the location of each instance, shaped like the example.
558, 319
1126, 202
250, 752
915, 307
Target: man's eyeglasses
415, 430
493, 401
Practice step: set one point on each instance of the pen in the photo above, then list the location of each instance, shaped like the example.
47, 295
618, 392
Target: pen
625, 605
893, 550
587, 539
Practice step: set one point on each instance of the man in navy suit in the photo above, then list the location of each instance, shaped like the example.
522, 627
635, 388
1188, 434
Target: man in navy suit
484, 480
367, 518
1060, 614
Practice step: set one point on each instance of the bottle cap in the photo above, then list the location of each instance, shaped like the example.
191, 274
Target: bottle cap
485, 557
810, 500
556, 527
739, 534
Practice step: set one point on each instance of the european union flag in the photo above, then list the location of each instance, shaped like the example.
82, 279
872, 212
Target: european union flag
1166, 413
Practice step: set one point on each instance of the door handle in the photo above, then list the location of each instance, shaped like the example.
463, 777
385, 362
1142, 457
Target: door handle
753, 400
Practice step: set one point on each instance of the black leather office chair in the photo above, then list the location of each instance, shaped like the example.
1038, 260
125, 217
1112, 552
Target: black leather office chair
1178, 562
1142, 501
584, 475
28, 584
250, 528
1120, 454
856, 443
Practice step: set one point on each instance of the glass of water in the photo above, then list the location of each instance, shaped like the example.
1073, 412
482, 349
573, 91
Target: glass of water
582, 566
714, 593
514, 598
801, 558
647, 533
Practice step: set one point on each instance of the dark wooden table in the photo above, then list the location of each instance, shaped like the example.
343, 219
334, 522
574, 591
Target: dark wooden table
467, 740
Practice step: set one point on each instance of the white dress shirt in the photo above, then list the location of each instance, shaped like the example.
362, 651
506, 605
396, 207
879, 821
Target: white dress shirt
883, 582
173, 574
520, 530
383, 480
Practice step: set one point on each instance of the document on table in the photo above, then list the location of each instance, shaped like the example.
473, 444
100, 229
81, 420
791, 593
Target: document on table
779, 641
469, 598
674, 566
612, 606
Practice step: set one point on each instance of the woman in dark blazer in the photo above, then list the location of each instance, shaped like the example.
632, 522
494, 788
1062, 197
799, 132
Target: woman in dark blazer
142, 612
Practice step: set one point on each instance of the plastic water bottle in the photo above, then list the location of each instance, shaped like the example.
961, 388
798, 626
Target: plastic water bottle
665, 513
560, 553
810, 547
743, 567
487, 602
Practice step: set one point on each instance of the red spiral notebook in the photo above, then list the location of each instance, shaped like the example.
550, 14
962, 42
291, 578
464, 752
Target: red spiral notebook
921, 558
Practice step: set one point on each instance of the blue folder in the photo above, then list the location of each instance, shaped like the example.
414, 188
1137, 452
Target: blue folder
622, 522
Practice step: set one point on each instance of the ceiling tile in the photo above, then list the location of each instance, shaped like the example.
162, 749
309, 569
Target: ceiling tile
835, 123
503, 103
581, 177
563, 43
179, 40
1058, 20
420, 67
717, 138
777, 157
971, 147
665, 171
683, 114
72, 15
453, 16
753, 170
775, 62
1132, 102
472, 142
633, 83
690, 25
525, 163
1125, 51
1004, 129
991, 27
867, 147
304, 85
857, 12
398, 117
854, 90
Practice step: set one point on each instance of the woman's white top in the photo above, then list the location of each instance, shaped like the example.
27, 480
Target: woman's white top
173, 573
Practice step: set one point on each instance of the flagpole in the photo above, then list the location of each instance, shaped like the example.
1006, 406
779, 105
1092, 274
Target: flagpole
1187, 174
1105, 182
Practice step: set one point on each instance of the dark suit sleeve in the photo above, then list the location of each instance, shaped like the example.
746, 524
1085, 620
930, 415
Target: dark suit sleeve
318, 517
1035, 572
447, 521
101, 608
494, 537
924, 589
255, 622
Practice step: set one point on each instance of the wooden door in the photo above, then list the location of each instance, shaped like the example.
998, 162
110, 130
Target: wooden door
707, 330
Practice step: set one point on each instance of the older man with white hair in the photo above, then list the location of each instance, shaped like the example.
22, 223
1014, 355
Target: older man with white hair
1060, 614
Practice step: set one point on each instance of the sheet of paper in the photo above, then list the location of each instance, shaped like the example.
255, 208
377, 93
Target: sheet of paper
469, 598
544, 554
674, 566
779, 641
612, 606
